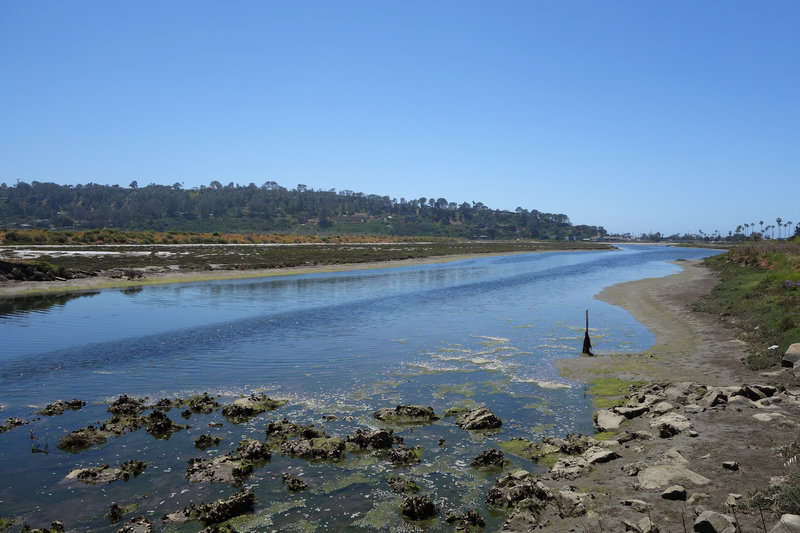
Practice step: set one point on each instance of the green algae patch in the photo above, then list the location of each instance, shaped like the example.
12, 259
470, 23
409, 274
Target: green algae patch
244, 409
462, 389
610, 392
263, 519
6, 523
605, 435
201, 403
518, 447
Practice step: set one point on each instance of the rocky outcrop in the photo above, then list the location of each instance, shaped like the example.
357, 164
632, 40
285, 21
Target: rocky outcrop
713, 522
140, 524
406, 414
106, 474
377, 439
59, 407
249, 407
316, 449
81, 439
402, 485
480, 418
206, 441
221, 469
489, 458
159, 425
11, 423
419, 508
514, 487
465, 521
253, 450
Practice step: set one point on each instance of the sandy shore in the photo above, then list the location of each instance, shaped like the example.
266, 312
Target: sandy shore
161, 277
690, 347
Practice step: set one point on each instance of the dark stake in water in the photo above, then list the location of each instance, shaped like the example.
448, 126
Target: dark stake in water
337, 347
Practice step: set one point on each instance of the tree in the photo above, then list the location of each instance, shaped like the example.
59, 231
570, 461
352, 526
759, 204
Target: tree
779, 220
134, 185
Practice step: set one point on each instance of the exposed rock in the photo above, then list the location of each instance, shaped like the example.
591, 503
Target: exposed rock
598, 455
60, 407
656, 477
768, 417
634, 435
330, 418
789, 523
480, 418
294, 484
140, 524
206, 441
637, 505
221, 469
159, 425
714, 397
631, 412
316, 449
524, 517
125, 405
490, 458
674, 492
402, 485
606, 420
406, 414
221, 510
631, 469
374, 439
465, 521
115, 513
11, 423
280, 432
644, 525
730, 465
419, 508
570, 504
513, 487
673, 419
791, 358
672, 457
249, 407
204, 404
568, 468
118, 424
661, 408
81, 439
253, 450
713, 522
403, 455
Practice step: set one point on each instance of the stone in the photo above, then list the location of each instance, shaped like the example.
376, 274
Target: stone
598, 455
375, 439
524, 517
791, 358
60, 406
140, 524
789, 523
644, 525
662, 408
407, 414
206, 441
768, 417
714, 397
713, 522
730, 465
222, 469
631, 469
637, 505
631, 412
224, 509
419, 508
570, 504
634, 435
659, 476
606, 420
675, 493
489, 458
244, 409
316, 449
568, 468
402, 485
514, 487
253, 450
81, 439
480, 418
672, 457
466, 521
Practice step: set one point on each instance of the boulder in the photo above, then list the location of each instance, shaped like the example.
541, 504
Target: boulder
730, 465
247, 408
637, 505
631, 412
598, 455
403, 455
791, 358
206, 441
659, 476
661, 408
570, 504
316, 449
124, 405
713, 522
632, 469
606, 420
524, 517
375, 439
675, 493
713, 398
789, 523
402, 485
644, 525
221, 469
467, 521
406, 414
480, 418
253, 450
60, 406
489, 458
80, 439
568, 468
513, 487
419, 508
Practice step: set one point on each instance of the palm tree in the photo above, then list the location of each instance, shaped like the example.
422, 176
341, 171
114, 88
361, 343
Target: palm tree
778, 220
761, 223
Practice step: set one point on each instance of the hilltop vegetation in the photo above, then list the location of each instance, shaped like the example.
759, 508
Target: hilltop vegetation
269, 208
759, 295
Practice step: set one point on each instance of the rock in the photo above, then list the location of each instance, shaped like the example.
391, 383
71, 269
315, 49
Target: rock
60, 407
644, 525
679, 421
315, 449
634, 435
125, 405
403, 455
419, 508
203, 404
730, 465
675, 493
672, 457
513, 487
631, 469
637, 505
791, 358
115, 513
140, 524
221, 469
751, 393
597, 455
656, 477
683, 391
330, 418
489, 458
713, 522
11, 423
524, 517
631, 412
376, 439
81, 439
661, 408
465, 521
159, 425
406, 414
568, 468
402, 485
570, 504
768, 417
789, 523
221, 510
480, 418
713, 398
249, 407
606, 420
118, 424
206, 441
294, 484
253, 450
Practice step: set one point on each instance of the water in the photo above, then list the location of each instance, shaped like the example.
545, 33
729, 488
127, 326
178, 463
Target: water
474, 332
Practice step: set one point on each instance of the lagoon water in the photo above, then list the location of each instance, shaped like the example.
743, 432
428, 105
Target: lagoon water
482, 331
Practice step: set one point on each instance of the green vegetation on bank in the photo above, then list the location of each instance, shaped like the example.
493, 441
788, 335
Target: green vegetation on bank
270, 208
759, 295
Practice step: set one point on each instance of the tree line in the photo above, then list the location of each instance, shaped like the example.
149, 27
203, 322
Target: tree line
269, 208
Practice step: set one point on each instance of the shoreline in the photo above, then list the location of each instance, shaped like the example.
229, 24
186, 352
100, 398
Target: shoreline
102, 281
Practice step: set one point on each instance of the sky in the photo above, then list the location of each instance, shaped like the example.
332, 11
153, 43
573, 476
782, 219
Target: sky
637, 116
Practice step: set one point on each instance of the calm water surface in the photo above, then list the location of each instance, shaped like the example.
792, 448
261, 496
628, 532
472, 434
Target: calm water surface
474, 332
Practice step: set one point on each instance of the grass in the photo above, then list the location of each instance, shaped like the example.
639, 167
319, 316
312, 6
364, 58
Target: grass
759, 295
610, 392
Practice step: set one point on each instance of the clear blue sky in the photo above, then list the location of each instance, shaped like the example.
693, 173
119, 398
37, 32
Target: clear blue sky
638, 116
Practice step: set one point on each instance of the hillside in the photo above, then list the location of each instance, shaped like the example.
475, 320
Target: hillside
269, 208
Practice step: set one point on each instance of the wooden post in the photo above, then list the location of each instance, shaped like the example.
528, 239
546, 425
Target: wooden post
587, 343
